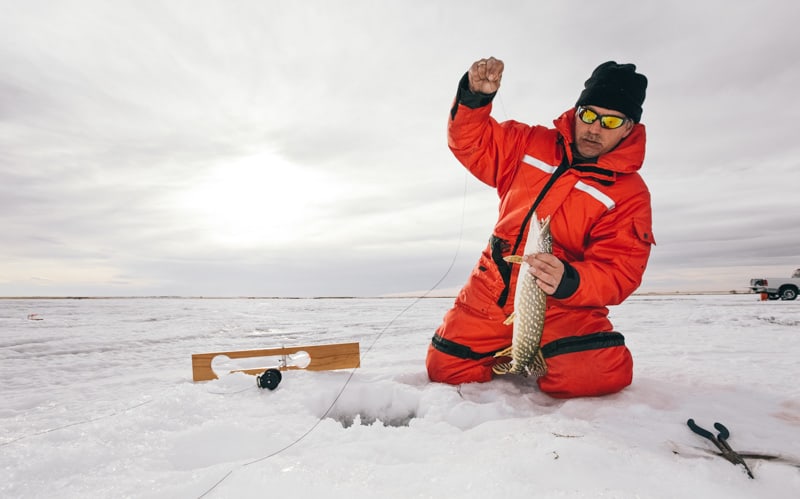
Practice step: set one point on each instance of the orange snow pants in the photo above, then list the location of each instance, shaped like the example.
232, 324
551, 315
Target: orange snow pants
583, 365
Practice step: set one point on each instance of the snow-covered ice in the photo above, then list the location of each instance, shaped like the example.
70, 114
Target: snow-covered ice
98, 401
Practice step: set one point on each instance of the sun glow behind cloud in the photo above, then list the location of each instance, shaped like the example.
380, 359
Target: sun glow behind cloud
258, 200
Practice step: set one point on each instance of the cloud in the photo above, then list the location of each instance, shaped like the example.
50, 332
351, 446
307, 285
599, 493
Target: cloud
139, 142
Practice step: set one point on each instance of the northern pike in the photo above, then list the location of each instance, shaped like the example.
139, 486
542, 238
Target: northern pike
529, 307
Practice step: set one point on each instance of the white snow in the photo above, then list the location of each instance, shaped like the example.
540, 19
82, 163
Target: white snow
98, 401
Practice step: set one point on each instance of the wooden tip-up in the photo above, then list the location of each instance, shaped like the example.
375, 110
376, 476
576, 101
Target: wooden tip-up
319, 358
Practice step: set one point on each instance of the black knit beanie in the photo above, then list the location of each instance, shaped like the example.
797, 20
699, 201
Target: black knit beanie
615, 86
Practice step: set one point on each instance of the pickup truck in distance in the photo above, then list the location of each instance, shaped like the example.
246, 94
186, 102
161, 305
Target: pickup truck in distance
777, 287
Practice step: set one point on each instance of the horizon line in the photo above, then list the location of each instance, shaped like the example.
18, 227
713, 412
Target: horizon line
323, 297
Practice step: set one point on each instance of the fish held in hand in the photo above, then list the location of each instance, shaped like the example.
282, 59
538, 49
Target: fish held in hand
530, 303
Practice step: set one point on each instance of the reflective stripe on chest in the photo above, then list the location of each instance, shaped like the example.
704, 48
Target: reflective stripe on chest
580, 185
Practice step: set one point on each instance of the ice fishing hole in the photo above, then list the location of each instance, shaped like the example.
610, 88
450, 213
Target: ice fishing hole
368, 404
366, 419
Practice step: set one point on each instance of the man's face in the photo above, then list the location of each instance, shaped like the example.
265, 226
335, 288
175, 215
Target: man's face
592, 140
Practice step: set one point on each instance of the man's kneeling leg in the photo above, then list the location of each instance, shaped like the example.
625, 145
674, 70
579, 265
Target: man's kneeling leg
588, 373
446, 368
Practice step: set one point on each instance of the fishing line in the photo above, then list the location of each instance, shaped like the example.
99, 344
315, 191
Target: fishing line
499, 98
366, 352
77, 423
374, 342
502, 106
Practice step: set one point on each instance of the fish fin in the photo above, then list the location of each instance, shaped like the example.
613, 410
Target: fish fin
501, 368
503, 365
506, 352
539, 364
513, 258
510, 319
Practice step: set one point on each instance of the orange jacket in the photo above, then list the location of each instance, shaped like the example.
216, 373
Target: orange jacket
600, 220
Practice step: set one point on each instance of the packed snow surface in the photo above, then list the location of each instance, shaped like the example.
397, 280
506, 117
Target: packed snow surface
98, 401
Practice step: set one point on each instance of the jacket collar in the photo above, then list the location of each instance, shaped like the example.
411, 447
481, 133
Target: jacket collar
627, 157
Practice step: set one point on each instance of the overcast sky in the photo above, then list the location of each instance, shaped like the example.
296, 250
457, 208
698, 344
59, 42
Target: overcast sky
299, 148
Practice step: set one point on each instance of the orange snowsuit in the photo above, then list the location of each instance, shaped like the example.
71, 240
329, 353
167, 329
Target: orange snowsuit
601, 226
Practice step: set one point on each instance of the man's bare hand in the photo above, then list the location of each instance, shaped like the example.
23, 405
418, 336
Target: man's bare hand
547, 269
485, 75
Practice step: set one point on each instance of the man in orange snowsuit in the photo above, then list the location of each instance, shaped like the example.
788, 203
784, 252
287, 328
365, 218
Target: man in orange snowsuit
583, 174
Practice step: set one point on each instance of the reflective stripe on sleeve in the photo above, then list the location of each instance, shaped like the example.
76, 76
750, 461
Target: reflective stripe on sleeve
531, 161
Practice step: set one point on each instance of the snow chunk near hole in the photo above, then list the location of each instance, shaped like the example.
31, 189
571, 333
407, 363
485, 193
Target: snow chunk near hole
366, 404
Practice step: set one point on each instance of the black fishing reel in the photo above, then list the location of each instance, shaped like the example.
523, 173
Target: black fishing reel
270, 379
